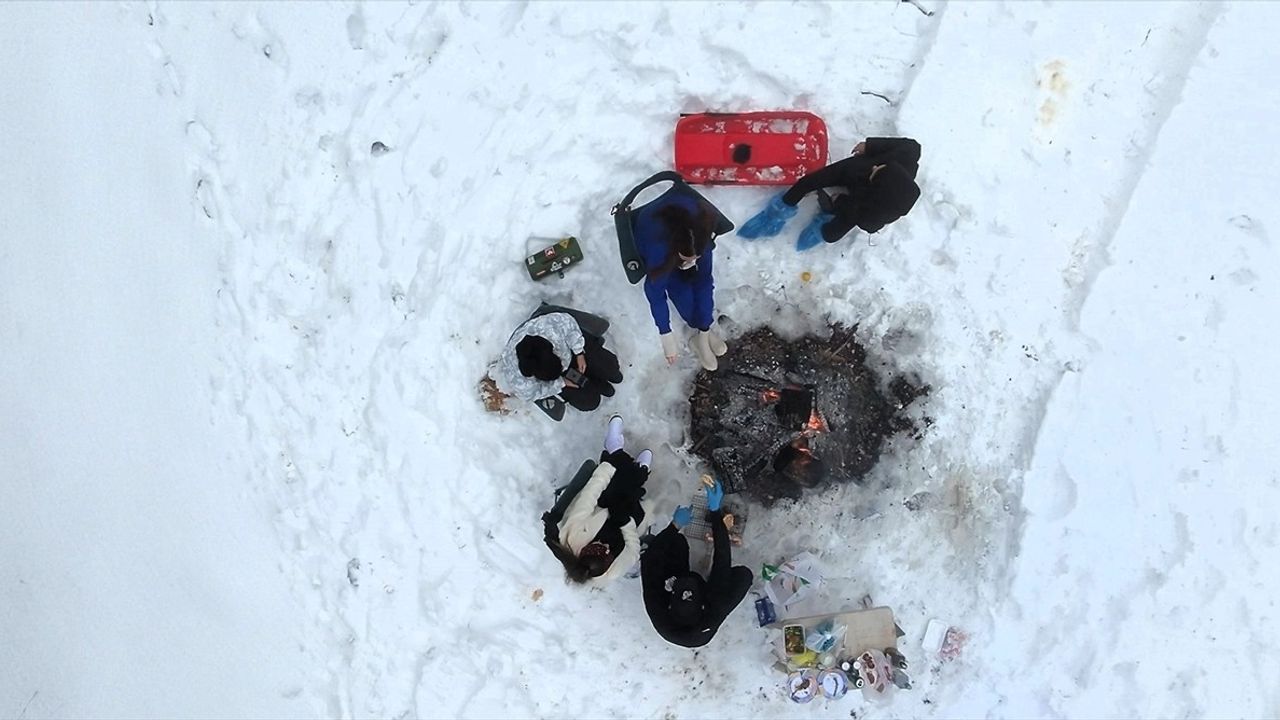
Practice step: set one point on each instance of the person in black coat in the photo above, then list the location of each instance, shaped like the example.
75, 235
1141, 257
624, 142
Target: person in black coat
879, 187
685, 609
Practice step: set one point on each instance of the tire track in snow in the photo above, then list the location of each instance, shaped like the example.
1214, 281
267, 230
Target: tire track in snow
1167, 97
925, 43
1095, 251
996, 533
1162, 95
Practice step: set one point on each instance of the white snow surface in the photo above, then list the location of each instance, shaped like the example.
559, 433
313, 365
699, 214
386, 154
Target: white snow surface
244, 470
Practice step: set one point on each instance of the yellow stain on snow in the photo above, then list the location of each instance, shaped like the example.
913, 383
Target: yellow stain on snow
1053, 84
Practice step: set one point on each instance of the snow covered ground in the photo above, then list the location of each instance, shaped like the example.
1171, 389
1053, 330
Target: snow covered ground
246, 472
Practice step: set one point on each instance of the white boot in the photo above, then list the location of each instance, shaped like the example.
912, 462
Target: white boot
716, 342
701, 346
613, 439
645, 458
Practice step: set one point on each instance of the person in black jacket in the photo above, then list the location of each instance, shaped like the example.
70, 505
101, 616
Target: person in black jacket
685, 609
879, 187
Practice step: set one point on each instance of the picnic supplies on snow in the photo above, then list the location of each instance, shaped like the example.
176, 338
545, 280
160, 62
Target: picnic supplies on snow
802, 686
765, 613
876, 673
943, 641
793, 639
825, 636
792, 581
834, 683
852, 631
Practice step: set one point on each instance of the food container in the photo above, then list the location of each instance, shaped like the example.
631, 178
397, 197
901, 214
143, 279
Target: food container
834, 683
802, 686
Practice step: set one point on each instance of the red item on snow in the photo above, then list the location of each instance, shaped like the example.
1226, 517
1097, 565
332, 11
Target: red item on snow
755, 148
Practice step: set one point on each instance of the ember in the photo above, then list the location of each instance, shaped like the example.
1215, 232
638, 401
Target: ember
778, 417
816, 423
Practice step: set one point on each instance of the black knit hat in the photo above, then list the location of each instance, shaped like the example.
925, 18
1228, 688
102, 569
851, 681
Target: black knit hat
896, 189
538, 359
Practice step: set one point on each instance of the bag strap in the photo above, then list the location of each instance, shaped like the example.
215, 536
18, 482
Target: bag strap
664, 176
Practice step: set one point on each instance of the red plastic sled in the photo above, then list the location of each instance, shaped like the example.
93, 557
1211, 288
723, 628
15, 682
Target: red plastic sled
756, 148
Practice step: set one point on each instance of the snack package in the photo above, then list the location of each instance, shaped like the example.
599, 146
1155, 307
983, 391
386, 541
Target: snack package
792, 581
876, 674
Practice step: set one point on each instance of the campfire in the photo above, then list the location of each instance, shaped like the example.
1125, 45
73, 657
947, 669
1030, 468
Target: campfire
779, 417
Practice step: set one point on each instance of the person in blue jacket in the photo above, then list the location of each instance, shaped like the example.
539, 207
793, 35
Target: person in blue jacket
676, 241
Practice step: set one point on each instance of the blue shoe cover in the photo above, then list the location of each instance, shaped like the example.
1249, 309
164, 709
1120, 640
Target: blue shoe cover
769, 221
811, 237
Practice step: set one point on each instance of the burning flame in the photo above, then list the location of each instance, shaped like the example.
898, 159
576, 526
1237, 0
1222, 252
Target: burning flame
816, 424
770, 396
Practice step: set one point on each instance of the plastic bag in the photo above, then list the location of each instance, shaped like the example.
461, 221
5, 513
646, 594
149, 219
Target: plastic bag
825, 636
792, 581
876, 674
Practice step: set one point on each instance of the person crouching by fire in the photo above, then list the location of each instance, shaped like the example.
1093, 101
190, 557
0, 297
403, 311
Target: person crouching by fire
685, 609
